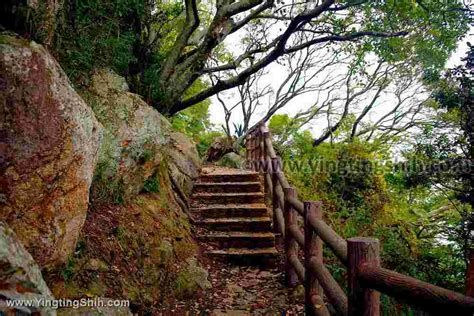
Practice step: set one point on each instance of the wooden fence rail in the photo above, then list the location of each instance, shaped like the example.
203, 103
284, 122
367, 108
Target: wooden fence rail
366, 278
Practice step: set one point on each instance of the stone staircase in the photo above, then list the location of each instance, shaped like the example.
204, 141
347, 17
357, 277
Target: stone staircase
233, 220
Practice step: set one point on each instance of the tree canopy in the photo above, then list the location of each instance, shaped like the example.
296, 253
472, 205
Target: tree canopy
165, 49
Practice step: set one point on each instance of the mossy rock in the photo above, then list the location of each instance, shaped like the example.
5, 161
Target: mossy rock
192, 278
135, 134
231, 160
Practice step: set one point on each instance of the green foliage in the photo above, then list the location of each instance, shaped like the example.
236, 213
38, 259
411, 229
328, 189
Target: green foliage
434, 28
239, 130
193, 121
364, 196
281, 124
96, 33
152, 184
115, 34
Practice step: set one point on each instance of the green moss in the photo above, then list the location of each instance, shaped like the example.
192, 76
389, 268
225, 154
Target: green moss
105, 184
13, 41
190, 280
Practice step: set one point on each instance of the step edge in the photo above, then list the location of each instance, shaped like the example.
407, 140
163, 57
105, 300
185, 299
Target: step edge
228, 235
245, 173
227, 194
259, 219
247, 251
226, 183
227, 208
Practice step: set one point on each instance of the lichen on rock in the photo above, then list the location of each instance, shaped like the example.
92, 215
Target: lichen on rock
20, 276
231, 160
134, 136
137, 248
50, 140
192, 278
137, 140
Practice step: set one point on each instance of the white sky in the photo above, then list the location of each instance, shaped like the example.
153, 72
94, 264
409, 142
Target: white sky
276, 72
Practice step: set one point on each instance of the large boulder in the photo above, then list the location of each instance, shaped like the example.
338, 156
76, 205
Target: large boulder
231, 160
138, 141
135, 249
20, 276
220, 147
49, 144
183, 163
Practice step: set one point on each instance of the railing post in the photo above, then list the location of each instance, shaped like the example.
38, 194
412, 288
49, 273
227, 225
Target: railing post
278, 218
252, 152
291, 249
313, 248
261, 158
248, 150
362, 301
257, 150
268, 170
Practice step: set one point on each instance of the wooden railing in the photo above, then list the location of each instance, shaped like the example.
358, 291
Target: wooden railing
366, 279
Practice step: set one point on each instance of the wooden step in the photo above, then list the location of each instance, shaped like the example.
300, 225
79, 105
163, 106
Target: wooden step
231, 210
230, 177
240, 239
222, 198
229, 205
244, 224
219, 187
270, 252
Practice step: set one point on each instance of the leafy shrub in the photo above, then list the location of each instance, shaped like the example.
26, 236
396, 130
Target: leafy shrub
96, 33
372, 201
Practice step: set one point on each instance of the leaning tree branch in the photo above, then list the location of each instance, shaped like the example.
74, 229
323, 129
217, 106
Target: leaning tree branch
274, 54
278, 51
191, 24
345, 38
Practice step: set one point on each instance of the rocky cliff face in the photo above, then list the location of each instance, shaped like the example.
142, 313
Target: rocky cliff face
136, 242
49, 144
135, 134
131, 239
137, 141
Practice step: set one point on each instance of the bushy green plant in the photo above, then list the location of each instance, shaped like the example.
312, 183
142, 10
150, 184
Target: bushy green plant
68, 270
95, 33
361, 197
152, 184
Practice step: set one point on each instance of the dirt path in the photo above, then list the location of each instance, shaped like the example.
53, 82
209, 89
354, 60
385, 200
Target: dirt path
243, 290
